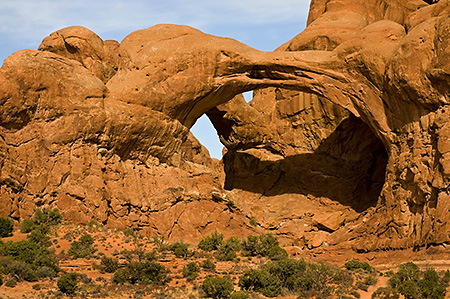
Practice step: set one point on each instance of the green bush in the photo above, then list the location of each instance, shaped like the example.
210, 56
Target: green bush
217, 287
27, 226
227, 251
190, 271
266, 243
212, 242
407, 281
277, 253
6, 227
47, 216
39, 237
82, 248
109, 264
180, 249
44, 272
250, 246
209, 265
67, 283
148, 272
354, 264
260, 281
28, 252
22, 271
430, 287
262, 245
385, 293
286, 270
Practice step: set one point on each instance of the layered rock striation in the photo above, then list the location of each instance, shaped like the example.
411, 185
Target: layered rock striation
346, 141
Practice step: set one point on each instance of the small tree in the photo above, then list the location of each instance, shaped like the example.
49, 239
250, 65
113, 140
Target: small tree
180, 249
227, 251
217, 287
109, 264
212, 242
209, 265
190, 271
6, 227
82, 248
67, 283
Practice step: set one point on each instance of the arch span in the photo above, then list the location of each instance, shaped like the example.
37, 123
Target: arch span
184, 73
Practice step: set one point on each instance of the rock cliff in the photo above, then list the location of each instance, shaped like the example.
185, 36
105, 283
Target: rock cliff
346, 141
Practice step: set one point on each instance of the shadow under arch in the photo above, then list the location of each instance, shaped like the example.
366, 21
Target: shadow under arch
347, 167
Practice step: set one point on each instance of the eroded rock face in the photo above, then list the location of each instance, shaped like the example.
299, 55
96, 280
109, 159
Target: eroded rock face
346, 138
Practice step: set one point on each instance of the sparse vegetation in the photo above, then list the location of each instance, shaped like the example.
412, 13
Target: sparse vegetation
412, 283
141, 267
147, 272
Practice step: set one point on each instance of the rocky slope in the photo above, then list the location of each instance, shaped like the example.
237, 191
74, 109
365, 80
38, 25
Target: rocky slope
345, 142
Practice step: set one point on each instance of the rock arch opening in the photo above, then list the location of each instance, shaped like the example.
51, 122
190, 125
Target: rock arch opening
340, 158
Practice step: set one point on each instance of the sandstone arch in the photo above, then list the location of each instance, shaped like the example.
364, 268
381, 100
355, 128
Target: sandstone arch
105, 118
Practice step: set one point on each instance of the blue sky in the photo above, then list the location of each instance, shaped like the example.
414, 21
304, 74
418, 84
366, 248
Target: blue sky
261, 24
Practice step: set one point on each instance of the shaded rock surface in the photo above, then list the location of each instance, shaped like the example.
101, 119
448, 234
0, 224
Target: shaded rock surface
344, 143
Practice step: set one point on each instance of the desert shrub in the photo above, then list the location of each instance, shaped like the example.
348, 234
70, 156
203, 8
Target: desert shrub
446, 278
190, 271
407, 272
11, 283
22, 271
286, 269
212, 242
180, 249
343, 278
27, 253
430, 287
44, 272
227, 251
250, 246
362, 286
148, 272
385, 293
109, 264
408, 282
39, 237
260, 281
266, 243
27, 226
240, 295
217, 287
47, 216
82, 248
261, 245
277, 253
354, 264
6, 227
209, 265
370, 280
67, 283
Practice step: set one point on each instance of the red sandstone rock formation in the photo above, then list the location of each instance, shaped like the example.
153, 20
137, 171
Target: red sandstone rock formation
345, 141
